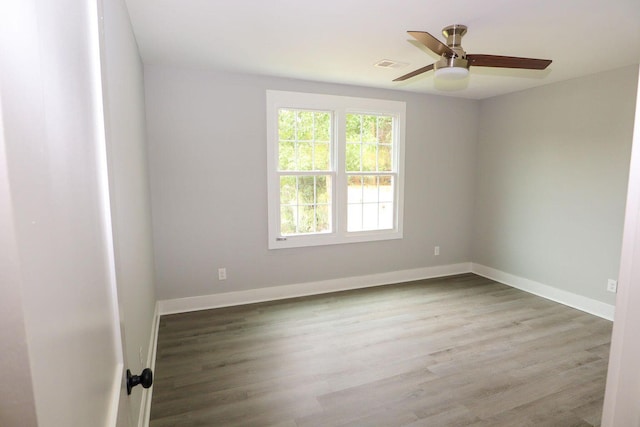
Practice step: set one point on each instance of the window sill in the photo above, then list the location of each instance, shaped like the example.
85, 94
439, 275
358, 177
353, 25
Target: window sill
333, 239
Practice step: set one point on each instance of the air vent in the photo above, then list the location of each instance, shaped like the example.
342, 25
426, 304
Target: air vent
388, 63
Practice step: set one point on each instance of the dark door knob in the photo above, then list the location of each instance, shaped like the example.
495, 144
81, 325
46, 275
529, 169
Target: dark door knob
145, 378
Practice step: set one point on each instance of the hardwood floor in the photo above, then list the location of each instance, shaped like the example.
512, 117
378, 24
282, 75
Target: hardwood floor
458, 351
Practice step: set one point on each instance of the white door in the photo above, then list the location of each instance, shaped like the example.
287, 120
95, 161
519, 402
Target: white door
55, 209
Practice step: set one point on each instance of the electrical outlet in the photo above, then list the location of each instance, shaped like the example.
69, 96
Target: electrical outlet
222, 273
436, 250
612, 285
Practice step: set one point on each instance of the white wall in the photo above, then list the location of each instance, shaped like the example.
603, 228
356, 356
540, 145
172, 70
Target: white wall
60, 250
129, 188
621, 406
17, 406
551, 182
207, 159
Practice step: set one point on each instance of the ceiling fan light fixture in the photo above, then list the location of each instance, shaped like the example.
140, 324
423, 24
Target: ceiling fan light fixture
452, 73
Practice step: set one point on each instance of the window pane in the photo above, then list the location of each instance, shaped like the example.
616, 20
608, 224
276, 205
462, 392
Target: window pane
306, 219
385, 216
370, 202
323, 218
370, 189
369, 157
384, 158
286, 156
354, 189
321, 157
304, 128
372, 134
369, 216
304, 145
288, 192
287, 219
306, 190
305, 204
353, 128
385, 129
354, 217
369, 129
385, 189
286, 125
305, 156
322, 190
353, 158
304, 140
323, 127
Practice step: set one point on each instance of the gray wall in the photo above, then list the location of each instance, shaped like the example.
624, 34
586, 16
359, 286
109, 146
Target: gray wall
207, 159
532, 184
551, 181
129, 188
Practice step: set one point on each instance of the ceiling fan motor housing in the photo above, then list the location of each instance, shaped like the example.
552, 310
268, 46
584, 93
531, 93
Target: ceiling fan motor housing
454, 34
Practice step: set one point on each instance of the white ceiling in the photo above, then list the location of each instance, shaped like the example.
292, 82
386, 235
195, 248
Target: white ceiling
339, 41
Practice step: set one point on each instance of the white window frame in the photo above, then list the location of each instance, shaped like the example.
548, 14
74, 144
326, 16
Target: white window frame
340, 106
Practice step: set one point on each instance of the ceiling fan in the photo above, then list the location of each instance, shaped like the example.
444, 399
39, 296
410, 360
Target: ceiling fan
455, 62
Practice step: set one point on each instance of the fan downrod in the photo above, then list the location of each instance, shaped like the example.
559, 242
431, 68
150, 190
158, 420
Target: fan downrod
454, 34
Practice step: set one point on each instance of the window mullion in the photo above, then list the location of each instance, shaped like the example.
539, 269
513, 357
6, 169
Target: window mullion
297, 213
340, 141
315, 203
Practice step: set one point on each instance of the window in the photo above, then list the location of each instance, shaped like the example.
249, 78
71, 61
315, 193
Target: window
335, 170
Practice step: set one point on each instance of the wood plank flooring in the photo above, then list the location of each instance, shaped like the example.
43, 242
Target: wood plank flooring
458, 351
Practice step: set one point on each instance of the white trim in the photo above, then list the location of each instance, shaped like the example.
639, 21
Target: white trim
204, 302
97, 51
338, 106
116, 389
589, 305
145, 405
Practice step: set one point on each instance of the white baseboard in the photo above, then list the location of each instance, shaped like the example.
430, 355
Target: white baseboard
145, 405
204, 302
588, 305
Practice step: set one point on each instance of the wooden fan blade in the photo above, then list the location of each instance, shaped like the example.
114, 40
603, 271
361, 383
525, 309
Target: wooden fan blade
432, 43
508, 62
414, 73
